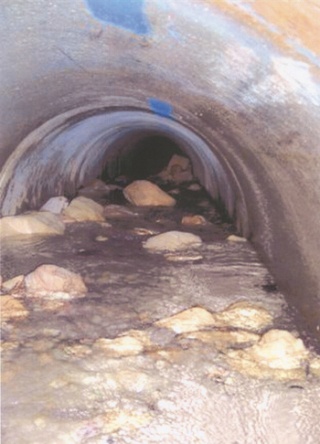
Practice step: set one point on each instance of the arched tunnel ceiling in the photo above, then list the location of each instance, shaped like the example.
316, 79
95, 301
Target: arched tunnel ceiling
242, 76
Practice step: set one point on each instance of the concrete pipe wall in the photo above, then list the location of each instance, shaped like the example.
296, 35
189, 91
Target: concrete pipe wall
235, 84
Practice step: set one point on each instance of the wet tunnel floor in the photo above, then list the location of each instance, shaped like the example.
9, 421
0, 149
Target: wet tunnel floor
60, 386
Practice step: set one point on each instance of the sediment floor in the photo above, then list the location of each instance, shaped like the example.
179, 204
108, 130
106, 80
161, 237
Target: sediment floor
68, 378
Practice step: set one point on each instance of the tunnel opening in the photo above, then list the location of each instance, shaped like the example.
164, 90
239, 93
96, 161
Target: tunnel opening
162, 161
145, 158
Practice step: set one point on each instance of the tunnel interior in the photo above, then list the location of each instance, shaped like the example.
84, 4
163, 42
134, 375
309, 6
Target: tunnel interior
145, 157
146, 345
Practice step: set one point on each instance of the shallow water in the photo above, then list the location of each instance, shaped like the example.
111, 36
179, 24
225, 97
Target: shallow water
58, 387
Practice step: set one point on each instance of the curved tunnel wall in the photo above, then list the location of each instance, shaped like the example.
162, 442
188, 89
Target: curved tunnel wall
234, 84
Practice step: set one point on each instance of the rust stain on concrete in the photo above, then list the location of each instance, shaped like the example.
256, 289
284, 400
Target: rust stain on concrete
291, 25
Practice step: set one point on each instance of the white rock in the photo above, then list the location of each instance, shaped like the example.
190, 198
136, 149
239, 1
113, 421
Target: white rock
144, 231
114, 420
195, 219
243, 314
234, 238
122, 346
176, 191
47, 280
31, 223
145, 193
83, 209
101, 238
171, 257
190, 320
178, 170
279, 349
194, 187
55, 204
278, 355
315, 366
172, 241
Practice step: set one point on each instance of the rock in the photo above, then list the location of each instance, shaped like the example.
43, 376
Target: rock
244, 315
130, 344
105, 225
183, 258
54, 282
234, 238
101, 238
82, 209
77, 350
193, 220
315, 366
172, 241
14, 285
225, 339
175, 191
31, 223
117, 211
135, 381
122, 181
55, 204
6, 346
277, 355
98, 189
194, 187
12, 308
145, 193
114, 420
178, 170
144, 231
189, 320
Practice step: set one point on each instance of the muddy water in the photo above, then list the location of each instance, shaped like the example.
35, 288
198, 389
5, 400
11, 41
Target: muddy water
58, 387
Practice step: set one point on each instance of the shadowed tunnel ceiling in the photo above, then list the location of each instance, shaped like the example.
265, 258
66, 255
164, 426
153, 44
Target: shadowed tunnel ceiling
234, 85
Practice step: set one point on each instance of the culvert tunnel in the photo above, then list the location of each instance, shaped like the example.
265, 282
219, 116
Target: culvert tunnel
232, 85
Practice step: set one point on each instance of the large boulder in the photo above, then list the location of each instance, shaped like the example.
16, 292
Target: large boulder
82, 209
31, 223
144, 193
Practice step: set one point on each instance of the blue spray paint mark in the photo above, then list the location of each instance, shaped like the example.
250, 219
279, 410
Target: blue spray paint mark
160, 108
127, 14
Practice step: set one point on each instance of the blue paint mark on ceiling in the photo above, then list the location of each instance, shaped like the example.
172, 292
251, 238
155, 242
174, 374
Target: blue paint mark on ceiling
127, 14
160, 108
